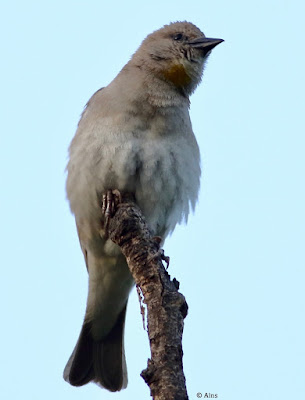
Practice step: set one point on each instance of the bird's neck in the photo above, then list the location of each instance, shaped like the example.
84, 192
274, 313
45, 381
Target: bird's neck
162, 88
177, 74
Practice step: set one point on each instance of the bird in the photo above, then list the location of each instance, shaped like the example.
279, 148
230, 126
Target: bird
135, 136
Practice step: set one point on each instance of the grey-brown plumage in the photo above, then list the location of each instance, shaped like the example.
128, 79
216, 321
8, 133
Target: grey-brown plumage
136, 136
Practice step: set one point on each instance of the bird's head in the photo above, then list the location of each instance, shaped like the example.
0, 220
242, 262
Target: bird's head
176, 53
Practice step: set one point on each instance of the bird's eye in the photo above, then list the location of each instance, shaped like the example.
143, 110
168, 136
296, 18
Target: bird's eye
178, 36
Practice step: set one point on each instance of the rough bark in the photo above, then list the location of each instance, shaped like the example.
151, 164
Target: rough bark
166, 307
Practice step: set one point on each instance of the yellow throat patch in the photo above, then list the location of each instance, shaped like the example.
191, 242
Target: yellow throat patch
177, 74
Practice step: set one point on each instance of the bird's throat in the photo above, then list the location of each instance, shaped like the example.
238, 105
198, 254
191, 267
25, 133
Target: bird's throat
177, 74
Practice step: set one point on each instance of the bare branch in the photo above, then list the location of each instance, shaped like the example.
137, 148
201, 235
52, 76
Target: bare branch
166, 307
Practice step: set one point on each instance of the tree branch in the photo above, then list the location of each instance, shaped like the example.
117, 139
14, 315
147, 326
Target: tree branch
166, 307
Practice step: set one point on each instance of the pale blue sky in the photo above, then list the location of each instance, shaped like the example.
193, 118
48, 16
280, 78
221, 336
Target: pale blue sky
240, 260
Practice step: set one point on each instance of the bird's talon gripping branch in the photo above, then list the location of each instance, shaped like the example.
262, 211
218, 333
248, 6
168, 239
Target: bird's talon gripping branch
160, 253
110, 202
165, 258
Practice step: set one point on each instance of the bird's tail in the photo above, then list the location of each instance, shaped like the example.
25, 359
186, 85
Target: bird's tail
101, 361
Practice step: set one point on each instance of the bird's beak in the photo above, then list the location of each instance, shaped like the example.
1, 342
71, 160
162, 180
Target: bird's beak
205, 43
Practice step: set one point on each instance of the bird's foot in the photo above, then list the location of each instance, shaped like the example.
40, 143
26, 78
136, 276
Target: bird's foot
160, 252
164, 258
110, 202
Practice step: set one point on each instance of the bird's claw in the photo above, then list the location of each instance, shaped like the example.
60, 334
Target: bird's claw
160, 252
164, 258
111, 199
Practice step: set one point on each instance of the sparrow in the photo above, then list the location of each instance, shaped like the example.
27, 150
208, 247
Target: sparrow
135, 136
